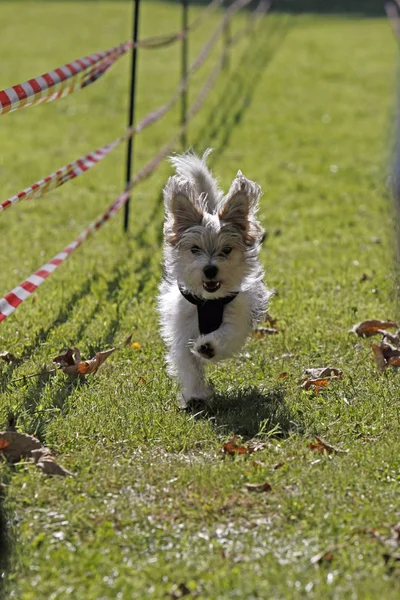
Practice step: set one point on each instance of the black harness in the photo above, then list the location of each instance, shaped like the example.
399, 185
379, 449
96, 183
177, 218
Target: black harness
209, 312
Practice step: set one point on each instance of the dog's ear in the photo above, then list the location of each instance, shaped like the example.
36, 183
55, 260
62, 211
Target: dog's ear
182, 213
240, 207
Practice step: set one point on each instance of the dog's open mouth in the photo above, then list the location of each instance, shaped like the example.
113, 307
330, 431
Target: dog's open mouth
211, 286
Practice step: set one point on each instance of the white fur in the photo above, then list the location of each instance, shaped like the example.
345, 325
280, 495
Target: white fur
201, 224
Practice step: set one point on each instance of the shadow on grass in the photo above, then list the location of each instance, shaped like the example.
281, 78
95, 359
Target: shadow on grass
236, 96
5, 545
364, 8
252, 413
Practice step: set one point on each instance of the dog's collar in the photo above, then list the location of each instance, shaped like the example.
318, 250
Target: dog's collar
209, 312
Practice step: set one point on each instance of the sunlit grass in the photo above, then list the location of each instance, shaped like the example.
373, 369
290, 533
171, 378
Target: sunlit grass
306, 110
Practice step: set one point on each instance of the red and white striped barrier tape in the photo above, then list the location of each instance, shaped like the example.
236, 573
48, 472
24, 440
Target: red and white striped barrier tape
15, 297
81, 72
61, 176
62, 81
84, 163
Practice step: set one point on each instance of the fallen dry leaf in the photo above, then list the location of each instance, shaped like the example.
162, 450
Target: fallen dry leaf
325, 556
261, 332
324, 372
258, 487
46, 462
71, 362
232, 447
392, 337
69, 359
385, 355
322, 447
91, 366
128, 340
278, 466
371, 327
270, 320
15, 445
379, 357
179, 591
282, 375
319, 377
316, 383
10, 358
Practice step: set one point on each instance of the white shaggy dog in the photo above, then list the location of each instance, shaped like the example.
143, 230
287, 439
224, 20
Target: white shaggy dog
212, 291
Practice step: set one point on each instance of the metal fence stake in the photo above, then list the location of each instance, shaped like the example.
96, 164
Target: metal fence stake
227, 40
131, 108
184, 73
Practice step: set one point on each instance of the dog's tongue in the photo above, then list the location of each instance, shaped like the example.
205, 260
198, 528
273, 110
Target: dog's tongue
211, 286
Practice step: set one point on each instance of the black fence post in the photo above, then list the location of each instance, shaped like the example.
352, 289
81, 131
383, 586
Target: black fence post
185, 43
131, 109
227, 40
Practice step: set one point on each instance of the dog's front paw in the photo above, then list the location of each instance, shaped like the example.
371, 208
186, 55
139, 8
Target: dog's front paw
204, 349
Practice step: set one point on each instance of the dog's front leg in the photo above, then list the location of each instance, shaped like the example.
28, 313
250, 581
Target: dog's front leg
190, 371
229, 338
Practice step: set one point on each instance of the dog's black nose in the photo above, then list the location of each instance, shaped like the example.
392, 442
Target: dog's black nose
210, 271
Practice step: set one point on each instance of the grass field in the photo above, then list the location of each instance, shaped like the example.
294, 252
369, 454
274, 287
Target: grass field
153, 509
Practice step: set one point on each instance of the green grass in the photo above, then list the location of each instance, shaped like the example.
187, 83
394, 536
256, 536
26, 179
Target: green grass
306, 110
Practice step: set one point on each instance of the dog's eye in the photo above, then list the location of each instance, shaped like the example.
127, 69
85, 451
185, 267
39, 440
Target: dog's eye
227, 250
195, 249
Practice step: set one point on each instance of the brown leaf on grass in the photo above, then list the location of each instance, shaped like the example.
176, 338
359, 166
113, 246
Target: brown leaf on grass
71, 362
232, 447
379, 357
261, 332
324, 372
46, 462
270, 320
10, 358
394, 338
321, 447
319, 378
15, 445
371, 327
316, 383
179, 591
385, 355
328, 554
128, 340
278, 466
282, 375
258, 487
91, 366
71, 357
325, 556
